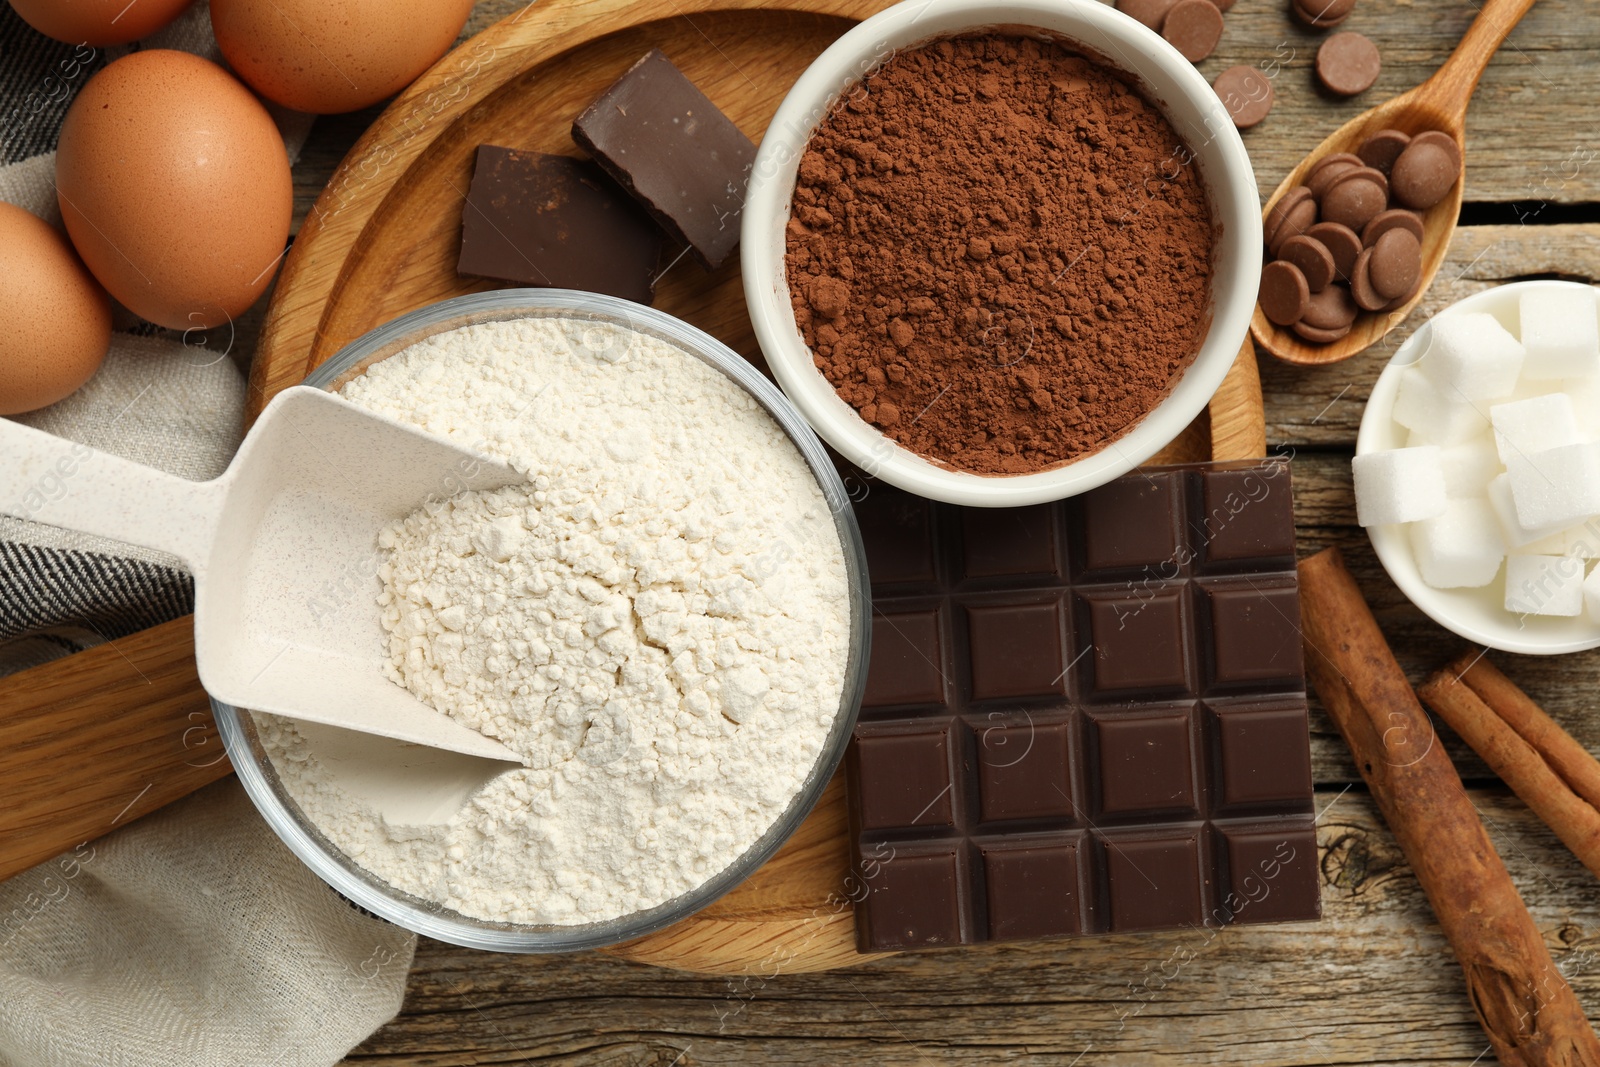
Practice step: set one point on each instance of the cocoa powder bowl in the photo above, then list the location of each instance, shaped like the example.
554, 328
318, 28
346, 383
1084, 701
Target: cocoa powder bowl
1217, 172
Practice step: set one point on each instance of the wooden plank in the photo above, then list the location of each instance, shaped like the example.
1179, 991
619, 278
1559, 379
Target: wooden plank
1371, 984
94, 741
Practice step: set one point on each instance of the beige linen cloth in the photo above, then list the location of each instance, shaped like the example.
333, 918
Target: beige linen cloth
193, 937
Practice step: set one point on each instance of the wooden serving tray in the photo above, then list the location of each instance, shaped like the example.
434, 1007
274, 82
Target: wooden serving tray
382, 240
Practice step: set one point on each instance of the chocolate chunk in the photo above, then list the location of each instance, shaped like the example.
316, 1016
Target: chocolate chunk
1313, 259
1150, 12
1323, 14
1340, 240
555, 222
1384, 221
1348, 63
1022, 770
1381, 149
684, 160
1355, 200
1193, 27
1330, 309
1247, 94
1284, 292
1396, 263
1423, 174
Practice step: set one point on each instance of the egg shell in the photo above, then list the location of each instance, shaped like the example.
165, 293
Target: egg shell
174, 185
329, 56
99, 22
57, 318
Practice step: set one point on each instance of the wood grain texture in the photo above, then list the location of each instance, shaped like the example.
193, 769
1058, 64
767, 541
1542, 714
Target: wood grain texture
94, 741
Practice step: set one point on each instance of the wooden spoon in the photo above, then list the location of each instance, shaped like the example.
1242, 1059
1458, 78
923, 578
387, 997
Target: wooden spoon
1440, 103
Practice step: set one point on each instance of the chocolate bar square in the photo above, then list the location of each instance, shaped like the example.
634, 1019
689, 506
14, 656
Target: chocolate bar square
555, 222
681, 158
1108, 706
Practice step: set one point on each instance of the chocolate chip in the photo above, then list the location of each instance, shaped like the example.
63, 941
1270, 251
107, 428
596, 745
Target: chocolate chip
1396, 263
1368, 298
1193, 27
1348, 63
1394, 218
1247, 94
1311, 257
1423, 174
1323, 14
1342, 242
1284, 293
1319, 336
1150, 12
1331, 309
1353, 202
1381, 149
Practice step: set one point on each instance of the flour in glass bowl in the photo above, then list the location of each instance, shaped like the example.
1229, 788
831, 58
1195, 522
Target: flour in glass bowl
657, 622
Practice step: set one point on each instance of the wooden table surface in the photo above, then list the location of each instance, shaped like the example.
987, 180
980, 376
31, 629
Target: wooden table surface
1374, 982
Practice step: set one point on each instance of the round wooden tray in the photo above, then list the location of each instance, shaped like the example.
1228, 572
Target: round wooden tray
383, 238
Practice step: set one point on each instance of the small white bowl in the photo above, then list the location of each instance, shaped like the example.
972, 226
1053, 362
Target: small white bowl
1479, 615
1165, 78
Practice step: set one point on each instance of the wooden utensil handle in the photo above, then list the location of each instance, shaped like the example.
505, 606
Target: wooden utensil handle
1451, 87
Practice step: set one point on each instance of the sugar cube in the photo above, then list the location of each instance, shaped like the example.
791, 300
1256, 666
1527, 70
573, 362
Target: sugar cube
1544, 585
1461, 548
1398, 485
1560, 333
1591, 594
1556, 487
1581, 541
1421, 407
1585, 396
1523, 427
1516, 535
1472, 357
1469, 466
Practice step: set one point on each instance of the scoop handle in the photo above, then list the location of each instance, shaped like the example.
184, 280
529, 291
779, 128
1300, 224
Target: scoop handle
48, 479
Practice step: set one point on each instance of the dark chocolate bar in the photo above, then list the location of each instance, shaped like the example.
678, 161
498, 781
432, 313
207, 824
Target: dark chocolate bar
1084, 717
556, 222
667, 144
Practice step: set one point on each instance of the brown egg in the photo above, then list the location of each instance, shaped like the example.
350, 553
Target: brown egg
174, 185
57, 319
99, 22
327, 56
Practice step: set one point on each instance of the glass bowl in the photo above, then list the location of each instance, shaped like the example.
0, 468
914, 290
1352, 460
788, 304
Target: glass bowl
305, 840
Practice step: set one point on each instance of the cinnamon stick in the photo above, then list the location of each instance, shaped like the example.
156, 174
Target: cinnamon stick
1577, 768
1523, 1003
1483, 724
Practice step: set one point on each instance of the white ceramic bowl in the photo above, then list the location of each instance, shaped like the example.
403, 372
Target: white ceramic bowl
1478, 615
1165, 78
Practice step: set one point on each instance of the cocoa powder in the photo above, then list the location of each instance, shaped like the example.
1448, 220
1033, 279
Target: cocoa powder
999, 253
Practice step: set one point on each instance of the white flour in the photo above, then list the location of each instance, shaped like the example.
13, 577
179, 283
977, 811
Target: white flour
657, 622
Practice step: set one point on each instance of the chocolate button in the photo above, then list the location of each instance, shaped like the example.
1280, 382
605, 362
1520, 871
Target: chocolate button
1366, 297
1381, 149
1293, 214
1328, 173
1422, 175
1444, 141
1323, 13
1348, 63
1368, 174
1311, 257
1150, 12
1193, 27
1354, 202
1396, 263
1331, 309
1342, 242
1284, 293
1394, 218
1247, 94
1318, 336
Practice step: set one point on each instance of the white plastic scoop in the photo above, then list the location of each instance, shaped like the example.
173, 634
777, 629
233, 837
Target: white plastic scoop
283, 548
